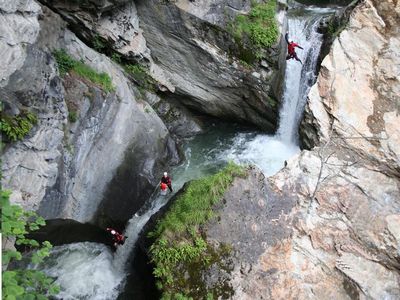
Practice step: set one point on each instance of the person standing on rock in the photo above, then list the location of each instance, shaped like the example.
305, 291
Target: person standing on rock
291, 48
166, 180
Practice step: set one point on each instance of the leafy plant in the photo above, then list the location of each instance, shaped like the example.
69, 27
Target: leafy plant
22, 283
66, 63
177, 235
17, 127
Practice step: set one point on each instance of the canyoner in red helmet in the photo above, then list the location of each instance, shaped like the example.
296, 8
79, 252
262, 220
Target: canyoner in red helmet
166, 180
291, 48
117, 237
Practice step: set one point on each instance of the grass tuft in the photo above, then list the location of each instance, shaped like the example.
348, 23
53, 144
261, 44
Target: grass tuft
66, 63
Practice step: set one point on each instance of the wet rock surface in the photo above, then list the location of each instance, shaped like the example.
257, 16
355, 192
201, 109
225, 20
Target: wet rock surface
65, 231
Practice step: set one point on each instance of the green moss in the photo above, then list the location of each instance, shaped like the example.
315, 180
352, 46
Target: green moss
72, 116
116, 58
17, 127
101, 79
98, 44
272, 101
141, 76
179, 246
256, 30
66, 63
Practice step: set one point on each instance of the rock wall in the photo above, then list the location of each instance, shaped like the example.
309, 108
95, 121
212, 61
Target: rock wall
64, 168
193, 55
20, 27
186, 48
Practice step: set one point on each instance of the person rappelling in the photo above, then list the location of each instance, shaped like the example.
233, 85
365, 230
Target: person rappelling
291, 48
166, 180
117, 237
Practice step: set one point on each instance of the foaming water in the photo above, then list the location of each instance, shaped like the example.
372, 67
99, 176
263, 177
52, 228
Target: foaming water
84, 271
265, 151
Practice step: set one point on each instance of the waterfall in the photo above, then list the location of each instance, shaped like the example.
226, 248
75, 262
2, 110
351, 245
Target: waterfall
74, 264
299, 78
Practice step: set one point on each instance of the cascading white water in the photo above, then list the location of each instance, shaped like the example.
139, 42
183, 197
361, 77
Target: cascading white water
269, 152
91, 271
303, 30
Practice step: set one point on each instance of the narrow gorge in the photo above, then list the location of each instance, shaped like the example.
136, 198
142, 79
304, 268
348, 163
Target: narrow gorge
285, 173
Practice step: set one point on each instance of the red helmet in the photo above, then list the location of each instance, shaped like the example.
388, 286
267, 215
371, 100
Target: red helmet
163, 186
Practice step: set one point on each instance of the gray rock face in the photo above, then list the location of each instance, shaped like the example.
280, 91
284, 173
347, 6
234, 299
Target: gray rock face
64, 169
317, 230
179, 121
189, 53
216, 12
95, 6
356, 94
18, 27
193, 56
112, 24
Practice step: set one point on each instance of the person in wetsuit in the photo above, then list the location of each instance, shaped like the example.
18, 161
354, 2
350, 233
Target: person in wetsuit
291, 49
167, 180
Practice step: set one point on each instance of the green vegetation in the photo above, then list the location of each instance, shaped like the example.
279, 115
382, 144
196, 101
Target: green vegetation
334, 28
23, 283
256, 30
66, 63
17, 127
116, 58
72, 116
179, 245
141, 76
98, 43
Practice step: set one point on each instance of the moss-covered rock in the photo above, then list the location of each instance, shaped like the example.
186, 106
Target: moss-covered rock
180, 250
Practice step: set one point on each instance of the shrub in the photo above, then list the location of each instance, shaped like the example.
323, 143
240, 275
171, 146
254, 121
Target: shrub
23, 283
66, 63
17, 127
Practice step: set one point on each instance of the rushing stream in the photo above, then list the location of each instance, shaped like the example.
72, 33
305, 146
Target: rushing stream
92, 271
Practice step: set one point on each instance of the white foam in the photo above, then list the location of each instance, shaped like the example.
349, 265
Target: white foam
84, 271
